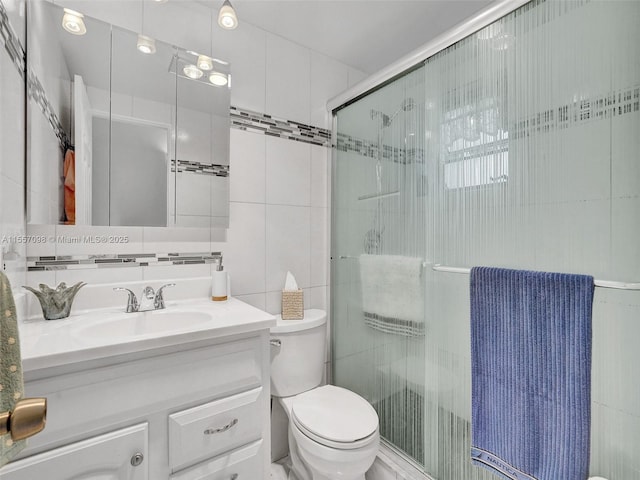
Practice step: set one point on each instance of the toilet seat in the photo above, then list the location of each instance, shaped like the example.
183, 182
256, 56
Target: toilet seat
335, 417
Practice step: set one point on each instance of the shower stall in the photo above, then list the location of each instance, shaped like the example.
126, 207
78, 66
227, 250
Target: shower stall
517, 146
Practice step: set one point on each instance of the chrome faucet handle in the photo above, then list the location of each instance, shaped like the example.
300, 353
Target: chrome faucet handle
158, 301
132, 301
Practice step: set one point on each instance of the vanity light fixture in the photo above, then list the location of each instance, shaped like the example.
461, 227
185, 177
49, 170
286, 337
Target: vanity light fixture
146, 45
192, 71
218, 79
72, 22
227, 17
205, 63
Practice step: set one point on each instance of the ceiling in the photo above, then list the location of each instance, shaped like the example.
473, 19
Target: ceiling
364, 34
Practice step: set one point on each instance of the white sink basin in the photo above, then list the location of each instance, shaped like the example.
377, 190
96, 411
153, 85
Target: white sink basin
146, 323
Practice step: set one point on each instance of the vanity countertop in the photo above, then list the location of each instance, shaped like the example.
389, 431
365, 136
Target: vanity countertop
104, 333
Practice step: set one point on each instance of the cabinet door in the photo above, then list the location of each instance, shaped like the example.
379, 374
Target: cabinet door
105, 457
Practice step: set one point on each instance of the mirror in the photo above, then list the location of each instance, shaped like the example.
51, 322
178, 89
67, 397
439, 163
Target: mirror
120, 137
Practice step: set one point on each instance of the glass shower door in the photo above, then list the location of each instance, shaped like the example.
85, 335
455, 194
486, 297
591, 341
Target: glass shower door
378, 254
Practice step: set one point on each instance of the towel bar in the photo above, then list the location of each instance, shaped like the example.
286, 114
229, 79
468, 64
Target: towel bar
597, 283
346, 257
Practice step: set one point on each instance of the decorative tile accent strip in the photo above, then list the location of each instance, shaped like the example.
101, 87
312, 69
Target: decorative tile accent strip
367, 148
82, 262
11, 42
201, 168
36, 92
262, 123
606, 106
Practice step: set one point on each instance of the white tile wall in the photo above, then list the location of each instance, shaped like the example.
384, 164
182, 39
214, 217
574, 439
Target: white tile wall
288, 172
249, 171
288, 80
278, 188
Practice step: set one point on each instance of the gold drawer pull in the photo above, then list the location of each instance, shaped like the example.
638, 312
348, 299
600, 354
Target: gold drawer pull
28, 418
211, 431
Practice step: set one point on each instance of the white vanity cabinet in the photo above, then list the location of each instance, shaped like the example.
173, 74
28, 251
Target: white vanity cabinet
194, 410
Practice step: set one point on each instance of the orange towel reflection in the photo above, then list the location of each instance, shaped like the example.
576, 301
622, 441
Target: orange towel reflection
69, 171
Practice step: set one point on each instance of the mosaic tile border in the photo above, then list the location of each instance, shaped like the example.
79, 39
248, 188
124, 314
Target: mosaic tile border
249, 120
367, 148
85, 262
12, 43
602, 107
36, 92
213, 169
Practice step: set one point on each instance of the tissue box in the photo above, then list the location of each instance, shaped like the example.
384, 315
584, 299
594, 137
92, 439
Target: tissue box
292, 305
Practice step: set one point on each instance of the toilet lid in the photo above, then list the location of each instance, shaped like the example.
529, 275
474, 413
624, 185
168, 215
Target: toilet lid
334, 414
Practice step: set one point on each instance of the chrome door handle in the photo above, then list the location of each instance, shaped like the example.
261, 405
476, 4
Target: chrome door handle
212, 431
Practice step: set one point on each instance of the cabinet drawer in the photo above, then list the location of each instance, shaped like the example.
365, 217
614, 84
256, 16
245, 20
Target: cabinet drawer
105, 457
214, 428
242, 464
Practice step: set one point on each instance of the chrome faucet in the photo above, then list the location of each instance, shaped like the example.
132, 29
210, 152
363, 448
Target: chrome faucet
150, 300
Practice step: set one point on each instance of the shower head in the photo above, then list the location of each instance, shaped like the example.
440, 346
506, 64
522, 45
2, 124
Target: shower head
386, 121
408, 104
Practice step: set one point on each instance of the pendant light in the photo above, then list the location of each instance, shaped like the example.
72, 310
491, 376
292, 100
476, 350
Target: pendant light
146, 44
227, 17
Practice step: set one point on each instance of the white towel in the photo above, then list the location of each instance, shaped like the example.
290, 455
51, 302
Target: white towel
392, 289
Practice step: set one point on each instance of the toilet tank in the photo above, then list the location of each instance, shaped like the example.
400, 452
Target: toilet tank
298, 349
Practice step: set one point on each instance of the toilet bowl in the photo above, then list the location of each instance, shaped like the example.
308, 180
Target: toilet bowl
333, 432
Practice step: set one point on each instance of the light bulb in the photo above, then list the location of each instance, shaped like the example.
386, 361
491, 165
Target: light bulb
227, 18
204, 63
218, 79
72, 22
146, 45
192, 71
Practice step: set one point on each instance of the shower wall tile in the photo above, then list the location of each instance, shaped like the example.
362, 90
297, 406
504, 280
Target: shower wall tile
157, 239
625, 232
328, 78
615, 356
248, 152
625, 143
244, 256
559, 245
288, 179
274, 302
319, 253
170, 272
288, 234
258, 300
315, 297
614, 440
245, 49
287, 79
320, 159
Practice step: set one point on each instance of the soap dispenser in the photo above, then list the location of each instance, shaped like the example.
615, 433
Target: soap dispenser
219, 283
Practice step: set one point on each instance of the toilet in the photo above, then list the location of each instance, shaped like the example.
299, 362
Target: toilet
333, 432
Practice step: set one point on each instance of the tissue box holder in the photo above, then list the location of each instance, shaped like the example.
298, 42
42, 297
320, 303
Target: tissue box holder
292, 305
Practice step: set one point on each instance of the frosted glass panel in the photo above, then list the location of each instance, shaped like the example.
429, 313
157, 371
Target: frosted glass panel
516, 147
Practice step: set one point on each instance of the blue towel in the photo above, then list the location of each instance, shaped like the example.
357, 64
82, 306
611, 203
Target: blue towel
531, 373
